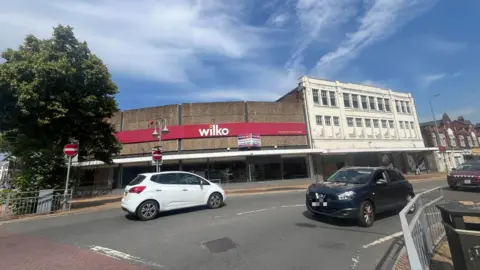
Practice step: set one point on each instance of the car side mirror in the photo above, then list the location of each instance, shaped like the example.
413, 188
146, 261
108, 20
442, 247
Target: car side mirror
381, 182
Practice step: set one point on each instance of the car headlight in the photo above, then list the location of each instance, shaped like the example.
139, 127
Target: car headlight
347, 195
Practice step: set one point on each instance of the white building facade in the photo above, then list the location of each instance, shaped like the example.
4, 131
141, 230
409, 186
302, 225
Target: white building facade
352, 119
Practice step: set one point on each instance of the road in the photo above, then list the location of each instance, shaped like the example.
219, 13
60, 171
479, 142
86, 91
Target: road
269, 231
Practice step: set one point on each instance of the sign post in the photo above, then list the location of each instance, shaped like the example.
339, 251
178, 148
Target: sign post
70, 150
157, 155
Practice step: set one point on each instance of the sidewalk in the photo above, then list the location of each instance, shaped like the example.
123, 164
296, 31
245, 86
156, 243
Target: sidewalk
235, 189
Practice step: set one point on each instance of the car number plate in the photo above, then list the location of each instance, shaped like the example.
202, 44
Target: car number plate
315, 204
467, 181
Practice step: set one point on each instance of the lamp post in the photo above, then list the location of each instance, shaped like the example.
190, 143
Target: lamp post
161, 125
437, 133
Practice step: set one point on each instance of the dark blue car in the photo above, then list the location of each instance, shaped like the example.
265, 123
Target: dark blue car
360, 193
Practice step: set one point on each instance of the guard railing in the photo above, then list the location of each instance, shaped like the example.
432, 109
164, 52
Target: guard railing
423, 230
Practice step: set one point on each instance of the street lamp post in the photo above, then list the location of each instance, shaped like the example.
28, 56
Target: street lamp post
437, 133
161, 124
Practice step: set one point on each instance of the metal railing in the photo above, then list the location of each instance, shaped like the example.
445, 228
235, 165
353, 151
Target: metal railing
14, 204
425, 230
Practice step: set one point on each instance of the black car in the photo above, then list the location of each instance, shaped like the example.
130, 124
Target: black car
360, 193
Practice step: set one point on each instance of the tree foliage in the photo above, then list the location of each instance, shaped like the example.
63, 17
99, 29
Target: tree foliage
52, 91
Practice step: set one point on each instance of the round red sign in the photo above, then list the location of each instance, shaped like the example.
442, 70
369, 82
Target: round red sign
70, 149
157, 155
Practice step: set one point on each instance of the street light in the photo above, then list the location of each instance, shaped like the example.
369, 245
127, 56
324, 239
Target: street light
437, 133
161, 124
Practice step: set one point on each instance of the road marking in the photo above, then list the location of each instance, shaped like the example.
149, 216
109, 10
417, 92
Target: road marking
254, 211
384, 239
293, 205
118, 255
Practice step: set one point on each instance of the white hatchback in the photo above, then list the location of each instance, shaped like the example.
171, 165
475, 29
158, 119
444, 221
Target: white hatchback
149, 193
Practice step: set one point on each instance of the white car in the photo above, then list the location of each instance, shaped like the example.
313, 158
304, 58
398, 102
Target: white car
149, 193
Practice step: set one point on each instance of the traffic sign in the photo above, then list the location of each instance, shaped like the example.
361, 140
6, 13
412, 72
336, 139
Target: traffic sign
157, 155
70, 150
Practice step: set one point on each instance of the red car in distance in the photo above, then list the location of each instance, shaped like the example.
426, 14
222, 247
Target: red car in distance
467, 175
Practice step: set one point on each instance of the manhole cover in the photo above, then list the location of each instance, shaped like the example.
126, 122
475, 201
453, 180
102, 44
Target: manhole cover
220, 245
305, 225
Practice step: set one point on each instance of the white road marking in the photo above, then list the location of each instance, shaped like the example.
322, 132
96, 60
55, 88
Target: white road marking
118, 255
384, 239
293, 205
254, 211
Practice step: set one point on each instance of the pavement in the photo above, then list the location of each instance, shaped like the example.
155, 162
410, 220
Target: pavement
270, 230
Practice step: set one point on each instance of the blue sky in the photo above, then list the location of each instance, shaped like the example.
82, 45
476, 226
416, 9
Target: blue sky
163, 52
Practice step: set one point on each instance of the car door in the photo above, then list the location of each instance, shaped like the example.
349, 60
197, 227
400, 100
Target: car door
400, 185
192, 188
382, 192
168, 192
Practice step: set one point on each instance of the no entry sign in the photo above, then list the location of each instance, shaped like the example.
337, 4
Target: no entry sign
157, 155
70, 150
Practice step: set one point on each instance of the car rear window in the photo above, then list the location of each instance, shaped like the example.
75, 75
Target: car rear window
137, 180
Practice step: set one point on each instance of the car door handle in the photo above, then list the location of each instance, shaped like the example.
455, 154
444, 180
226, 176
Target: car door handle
158, 190
185, 189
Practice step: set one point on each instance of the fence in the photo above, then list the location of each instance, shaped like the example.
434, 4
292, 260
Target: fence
15, 204
425, 229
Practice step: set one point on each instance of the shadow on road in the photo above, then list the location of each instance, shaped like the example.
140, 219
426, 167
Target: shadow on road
173, 212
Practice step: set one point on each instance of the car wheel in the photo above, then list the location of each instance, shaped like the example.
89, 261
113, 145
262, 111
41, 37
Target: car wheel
147, 210
408, 200
215, 200
367, 214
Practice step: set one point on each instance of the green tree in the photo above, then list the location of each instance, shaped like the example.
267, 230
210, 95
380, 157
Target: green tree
52, 91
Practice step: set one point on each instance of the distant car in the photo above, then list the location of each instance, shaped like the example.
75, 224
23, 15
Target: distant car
466, 175
360, 193
149, 193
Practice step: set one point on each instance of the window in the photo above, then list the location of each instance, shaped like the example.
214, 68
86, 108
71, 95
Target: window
462, 141
137, 180
412, 125
358, 122
397, 105
188, 179
387, 105
470, 142
333, 100
336, 121
380, 104
318, 119
346, 100
404, 109
384, 123
453, 143
355, 101
407, 105
434, 140
390, 123
395, 175
368, 122
352, 176
315, 96
364, 103
372, 103
350, 121
443, 139
324, 98
328, 120
166, 178
375, 123
401, 125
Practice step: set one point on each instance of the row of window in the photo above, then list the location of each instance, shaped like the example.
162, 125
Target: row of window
328, 98
472, 142
358, 122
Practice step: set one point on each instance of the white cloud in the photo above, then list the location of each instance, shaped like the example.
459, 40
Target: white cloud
163, 40
381, 20
427, 80
278, 20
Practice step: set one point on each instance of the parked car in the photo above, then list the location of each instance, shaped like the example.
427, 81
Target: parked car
360, 193
465, 175
149, 193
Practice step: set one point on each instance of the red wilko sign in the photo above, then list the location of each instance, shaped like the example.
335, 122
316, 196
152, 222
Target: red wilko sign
217, 130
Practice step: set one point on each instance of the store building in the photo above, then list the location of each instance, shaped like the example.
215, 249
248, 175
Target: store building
457, 141
223, 141
363, 126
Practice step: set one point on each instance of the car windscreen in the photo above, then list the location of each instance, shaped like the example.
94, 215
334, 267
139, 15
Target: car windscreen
137, 180
352, 176
468, 167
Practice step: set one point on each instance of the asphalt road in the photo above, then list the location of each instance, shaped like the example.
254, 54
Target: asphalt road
270, 231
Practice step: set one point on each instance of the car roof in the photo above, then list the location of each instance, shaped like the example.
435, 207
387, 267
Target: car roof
165, 172
366, 167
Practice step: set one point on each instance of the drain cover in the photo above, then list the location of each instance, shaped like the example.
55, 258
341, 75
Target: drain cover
220, 245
